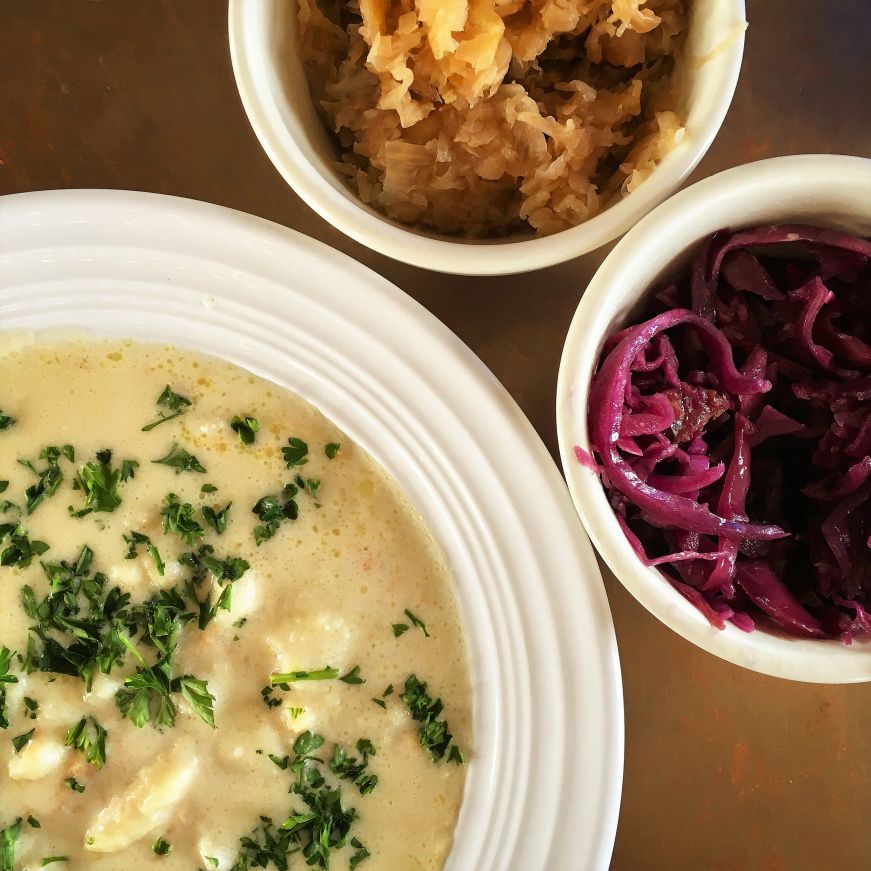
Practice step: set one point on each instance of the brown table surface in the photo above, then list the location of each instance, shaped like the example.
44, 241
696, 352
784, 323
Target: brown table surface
725, 769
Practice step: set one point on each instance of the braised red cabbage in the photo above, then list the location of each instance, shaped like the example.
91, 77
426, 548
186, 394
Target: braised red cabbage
731, 429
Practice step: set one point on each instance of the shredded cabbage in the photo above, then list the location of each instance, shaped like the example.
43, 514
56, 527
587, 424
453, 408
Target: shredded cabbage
732, 431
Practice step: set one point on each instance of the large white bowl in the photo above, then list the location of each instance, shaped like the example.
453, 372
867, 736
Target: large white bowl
543, 786
827, 190
275, 94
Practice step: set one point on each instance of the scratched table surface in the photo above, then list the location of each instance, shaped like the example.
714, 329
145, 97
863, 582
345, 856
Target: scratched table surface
725, 769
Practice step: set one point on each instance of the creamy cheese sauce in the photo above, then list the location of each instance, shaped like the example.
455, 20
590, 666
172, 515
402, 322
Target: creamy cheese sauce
325, 590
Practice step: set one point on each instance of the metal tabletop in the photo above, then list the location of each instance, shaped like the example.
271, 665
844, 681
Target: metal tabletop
725, 769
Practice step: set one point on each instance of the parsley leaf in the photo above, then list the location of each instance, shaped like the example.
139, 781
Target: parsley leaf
218, 520
161, 846
295, 452
74, 785
417, 622
196, 693
89, 737
99, 482
381, 703
50, 860
399, 629
180, 460
353, 676
5, 678
208, 488
246, 428
433, 732
21, 550
332, 449
6, 421
19, 742
273, 510
137, 538
359, 855
178, 517
172, 401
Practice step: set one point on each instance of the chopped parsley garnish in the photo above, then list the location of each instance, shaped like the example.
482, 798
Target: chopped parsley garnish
5, 678
399, 629
380, 702
175, 403
359, 855
246, 428
99, 482
31, 706
224, 571
208, 488
147, 695
268, 699
180, 460
89, 737
332, 449
218, 520
296, 712
353, 676
20, 550
353, 769
178, 517
50, 478
33, 822
273, 510
8, 843
281, 761
323, 825
77, 612
433, 733
213, 862
74, 785
388, 691
137, 538
4, 486
161, 847
295, 454
6, 420
19, 742
325, 673
50, 860
417, 622
309, 486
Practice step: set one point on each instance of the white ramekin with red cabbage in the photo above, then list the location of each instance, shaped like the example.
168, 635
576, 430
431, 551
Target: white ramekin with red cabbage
715, 415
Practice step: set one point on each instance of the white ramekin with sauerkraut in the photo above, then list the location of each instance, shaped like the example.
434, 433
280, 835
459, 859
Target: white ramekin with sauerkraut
486, 137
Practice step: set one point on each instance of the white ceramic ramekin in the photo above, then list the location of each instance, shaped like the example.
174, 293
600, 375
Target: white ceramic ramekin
826, 190
276, 97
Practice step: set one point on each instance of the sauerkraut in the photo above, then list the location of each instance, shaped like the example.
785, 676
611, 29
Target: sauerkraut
484, 118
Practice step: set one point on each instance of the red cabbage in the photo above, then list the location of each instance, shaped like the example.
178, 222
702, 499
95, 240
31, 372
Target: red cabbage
731, 429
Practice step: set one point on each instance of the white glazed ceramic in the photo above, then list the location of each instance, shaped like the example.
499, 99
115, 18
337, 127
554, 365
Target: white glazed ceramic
831, 191
544, 783
275, 94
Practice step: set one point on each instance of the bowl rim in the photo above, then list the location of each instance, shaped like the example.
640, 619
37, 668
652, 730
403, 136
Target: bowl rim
249, 52
819, 661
